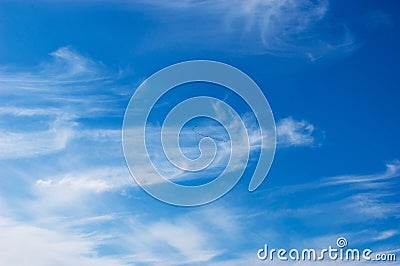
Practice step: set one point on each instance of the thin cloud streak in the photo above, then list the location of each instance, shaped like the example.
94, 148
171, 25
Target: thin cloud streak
279, 28
58, 85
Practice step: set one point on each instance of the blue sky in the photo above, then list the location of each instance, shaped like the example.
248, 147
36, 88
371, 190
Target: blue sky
329, 70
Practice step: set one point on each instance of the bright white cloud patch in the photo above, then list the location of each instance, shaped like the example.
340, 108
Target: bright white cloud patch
97, 181
32, 245
292, 132
74, 64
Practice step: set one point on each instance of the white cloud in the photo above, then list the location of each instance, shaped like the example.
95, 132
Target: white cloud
58, 84
190, 241
66, 192
28, 144
25, 244
368, 181
292, 132
336, 208
198, 238
386, 234
181, 240
66, 71
368, 198
31, 144
48, 122
73, 64
277, 27
75, 236
18, 111
98, 180
192, 238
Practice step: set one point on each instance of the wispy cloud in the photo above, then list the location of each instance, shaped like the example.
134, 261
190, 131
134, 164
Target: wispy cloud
330, 211
292, 132
71, 65
29, 244
47, 122
387, 234
193, 248
392, 171
83, 205
348, 201
48, 125
280, 28
98, 180
59, 83
31, 144
65, 199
